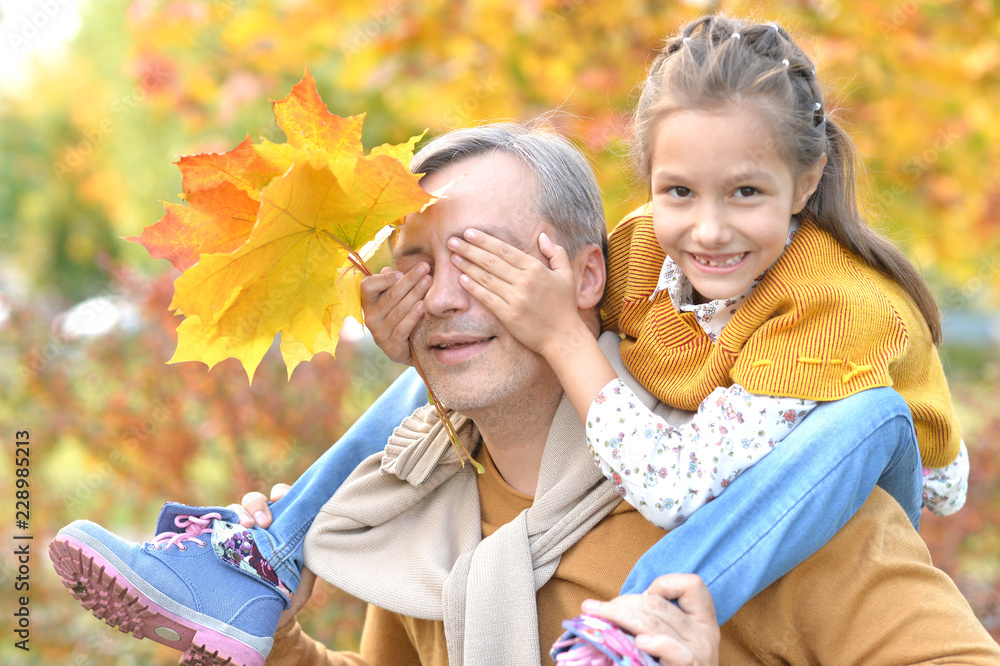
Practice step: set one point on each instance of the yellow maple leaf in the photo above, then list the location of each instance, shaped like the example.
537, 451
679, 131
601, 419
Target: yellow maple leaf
294, 351
287, 277
272, 233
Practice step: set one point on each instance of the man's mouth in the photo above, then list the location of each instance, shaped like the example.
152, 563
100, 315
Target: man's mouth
449, 350
451, 344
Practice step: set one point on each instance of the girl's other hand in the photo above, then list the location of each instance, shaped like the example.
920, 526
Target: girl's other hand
393, 304
684, 633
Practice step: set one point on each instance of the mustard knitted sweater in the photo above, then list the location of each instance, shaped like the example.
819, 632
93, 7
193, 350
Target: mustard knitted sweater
821, 325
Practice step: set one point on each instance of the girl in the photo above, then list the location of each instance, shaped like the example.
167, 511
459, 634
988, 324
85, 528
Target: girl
750, 287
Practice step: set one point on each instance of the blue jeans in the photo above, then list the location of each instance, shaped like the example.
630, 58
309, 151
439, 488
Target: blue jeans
771, 518
785, 507
281, 543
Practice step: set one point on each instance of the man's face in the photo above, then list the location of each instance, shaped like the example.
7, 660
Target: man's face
470, 360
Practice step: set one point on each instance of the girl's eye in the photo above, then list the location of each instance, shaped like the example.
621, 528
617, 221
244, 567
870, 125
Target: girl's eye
679, 191
746, 191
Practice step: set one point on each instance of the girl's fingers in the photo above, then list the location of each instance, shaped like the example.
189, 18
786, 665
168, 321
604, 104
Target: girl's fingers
689, 591
496, 247
400, 336
481, 276
384, 290
671, 651
374, 286
492, 254
245, 519
556, 254
279, 490
388, 299
493, 302
392, 304
640, 614
402, 308
255, 505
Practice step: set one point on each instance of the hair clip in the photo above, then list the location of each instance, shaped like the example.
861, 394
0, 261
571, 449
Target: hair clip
775, 26
735, 35
785, 62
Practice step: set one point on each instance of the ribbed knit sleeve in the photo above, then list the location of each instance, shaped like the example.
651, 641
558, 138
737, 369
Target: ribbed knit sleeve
821, 325
624, 279
292, 647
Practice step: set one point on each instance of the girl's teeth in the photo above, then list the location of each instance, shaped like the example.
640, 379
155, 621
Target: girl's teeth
732, 261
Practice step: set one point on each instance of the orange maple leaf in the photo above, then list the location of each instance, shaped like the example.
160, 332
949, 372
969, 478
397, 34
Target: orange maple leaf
217, 219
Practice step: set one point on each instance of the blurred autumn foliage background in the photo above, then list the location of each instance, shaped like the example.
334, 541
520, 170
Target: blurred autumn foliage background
87, 135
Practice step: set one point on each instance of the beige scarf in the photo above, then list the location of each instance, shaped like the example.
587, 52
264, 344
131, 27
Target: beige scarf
404, 533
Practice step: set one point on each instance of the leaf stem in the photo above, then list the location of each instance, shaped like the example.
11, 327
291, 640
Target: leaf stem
352, 255
456, 443
359, 263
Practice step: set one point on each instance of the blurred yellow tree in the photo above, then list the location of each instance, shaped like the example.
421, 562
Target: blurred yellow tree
87, 144
149, 79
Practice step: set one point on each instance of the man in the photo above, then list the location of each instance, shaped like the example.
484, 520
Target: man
467, 569
452, 561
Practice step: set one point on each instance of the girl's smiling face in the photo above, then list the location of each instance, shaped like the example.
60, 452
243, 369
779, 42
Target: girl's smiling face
723, 196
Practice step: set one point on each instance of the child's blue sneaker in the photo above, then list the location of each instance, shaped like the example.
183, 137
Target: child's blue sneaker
200, 586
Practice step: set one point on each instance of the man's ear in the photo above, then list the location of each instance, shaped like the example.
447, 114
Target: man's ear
591, 276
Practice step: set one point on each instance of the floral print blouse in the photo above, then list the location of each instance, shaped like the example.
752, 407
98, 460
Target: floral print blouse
667, 473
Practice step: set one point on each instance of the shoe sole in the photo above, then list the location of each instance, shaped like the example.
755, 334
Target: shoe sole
109, 596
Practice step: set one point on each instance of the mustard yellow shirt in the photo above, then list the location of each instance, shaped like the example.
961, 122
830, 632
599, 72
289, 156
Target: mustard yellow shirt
869, 596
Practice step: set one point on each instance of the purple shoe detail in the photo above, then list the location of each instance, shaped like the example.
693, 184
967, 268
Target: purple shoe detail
235, 545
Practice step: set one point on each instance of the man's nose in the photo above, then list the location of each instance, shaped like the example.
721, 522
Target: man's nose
445, 296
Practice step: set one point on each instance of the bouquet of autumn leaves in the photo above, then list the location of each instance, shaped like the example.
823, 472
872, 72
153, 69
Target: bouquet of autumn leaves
274, 237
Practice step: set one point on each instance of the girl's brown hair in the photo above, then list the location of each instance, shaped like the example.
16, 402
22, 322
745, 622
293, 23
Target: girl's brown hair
717, 61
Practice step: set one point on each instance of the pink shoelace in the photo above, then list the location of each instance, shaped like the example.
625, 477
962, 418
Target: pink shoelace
194, 527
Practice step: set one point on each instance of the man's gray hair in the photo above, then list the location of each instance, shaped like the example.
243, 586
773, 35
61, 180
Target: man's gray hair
567, 194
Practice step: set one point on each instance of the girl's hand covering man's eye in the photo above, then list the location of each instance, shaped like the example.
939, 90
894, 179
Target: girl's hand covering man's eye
535, 299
